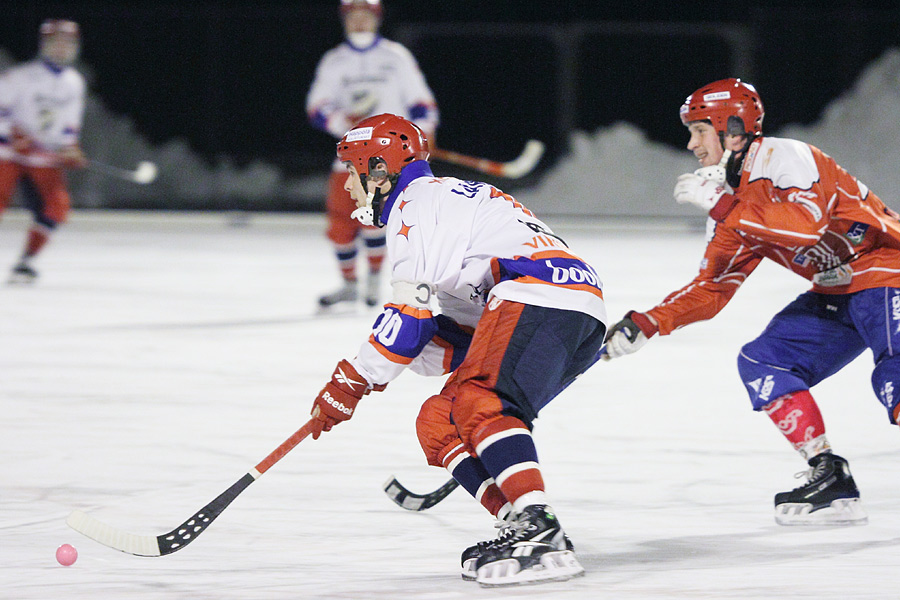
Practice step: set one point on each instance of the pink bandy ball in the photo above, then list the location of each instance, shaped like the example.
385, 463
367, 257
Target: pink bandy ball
66, 555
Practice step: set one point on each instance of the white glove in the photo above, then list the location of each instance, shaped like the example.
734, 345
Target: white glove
625, 337
694, 189
620, 344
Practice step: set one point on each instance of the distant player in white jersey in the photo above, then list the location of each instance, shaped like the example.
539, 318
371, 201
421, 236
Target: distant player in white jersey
484, 290
365, 75
41, 110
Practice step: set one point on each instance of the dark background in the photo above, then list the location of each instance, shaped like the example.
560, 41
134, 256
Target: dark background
232, 77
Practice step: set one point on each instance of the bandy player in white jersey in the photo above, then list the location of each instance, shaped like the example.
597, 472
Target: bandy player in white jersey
484, 290
41, 110
365, 75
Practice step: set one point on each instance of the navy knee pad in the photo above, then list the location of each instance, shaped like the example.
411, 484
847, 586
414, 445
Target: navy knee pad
886, 383
765, 383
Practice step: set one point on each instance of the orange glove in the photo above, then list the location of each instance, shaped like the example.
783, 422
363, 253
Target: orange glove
21, 142
338, 399
72, 157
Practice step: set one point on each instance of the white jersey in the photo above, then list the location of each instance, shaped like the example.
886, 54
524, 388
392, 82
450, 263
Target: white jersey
455, 246
44, 102
385, 77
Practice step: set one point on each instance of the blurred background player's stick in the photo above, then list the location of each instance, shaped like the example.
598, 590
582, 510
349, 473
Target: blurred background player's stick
519, 167
144, 173
181, 536
412, 501
404, 498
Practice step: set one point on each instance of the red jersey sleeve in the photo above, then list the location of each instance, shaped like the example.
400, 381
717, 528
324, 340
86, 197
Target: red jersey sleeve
726, 264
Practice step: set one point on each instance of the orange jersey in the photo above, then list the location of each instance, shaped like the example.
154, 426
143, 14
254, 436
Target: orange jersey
794, 205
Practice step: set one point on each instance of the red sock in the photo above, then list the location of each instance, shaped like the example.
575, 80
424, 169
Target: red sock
798, 418
37, 237
375, 261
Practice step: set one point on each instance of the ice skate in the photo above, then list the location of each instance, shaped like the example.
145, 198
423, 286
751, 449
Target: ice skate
534, 550
346, 293
829, 497
23, 272
471, 554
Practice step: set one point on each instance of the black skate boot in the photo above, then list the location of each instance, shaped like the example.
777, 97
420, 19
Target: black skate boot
471, 554
533, 551
346, 293
23, 272
829, 497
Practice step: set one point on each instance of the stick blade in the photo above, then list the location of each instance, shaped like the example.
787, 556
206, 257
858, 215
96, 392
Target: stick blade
404, 498
138, 545
526, 162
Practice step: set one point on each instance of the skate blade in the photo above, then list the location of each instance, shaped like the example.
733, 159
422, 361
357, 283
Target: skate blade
19, 279
553, 566
468, 571
845, 511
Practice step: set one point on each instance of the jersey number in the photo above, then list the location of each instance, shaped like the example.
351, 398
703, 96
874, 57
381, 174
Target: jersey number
388, 329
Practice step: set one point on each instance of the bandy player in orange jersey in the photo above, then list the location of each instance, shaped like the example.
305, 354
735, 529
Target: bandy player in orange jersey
41, 109
363, 76
789, 202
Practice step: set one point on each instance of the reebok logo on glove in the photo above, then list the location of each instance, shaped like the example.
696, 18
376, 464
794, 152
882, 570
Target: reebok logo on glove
340, 377
339, 406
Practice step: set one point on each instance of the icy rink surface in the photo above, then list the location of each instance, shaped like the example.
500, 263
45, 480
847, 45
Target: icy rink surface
161, 357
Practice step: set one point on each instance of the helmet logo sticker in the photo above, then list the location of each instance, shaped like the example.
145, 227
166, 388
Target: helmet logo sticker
716, 96
358, 135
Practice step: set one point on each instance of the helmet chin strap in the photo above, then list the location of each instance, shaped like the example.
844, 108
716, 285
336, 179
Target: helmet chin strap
715, 173
370, 214
365, 214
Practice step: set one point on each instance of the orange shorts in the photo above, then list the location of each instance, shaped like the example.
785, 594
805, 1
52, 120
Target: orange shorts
53, 201
520, 358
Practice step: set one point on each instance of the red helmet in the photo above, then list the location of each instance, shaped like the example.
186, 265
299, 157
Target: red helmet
732, 106
388, 138
370, 5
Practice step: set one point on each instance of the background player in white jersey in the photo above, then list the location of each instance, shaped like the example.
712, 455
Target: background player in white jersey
520, 317
41, 110
365, 75
787, 201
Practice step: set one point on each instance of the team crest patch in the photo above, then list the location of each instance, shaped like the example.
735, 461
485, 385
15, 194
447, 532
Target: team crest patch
359, 135
801, 259
857, 233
